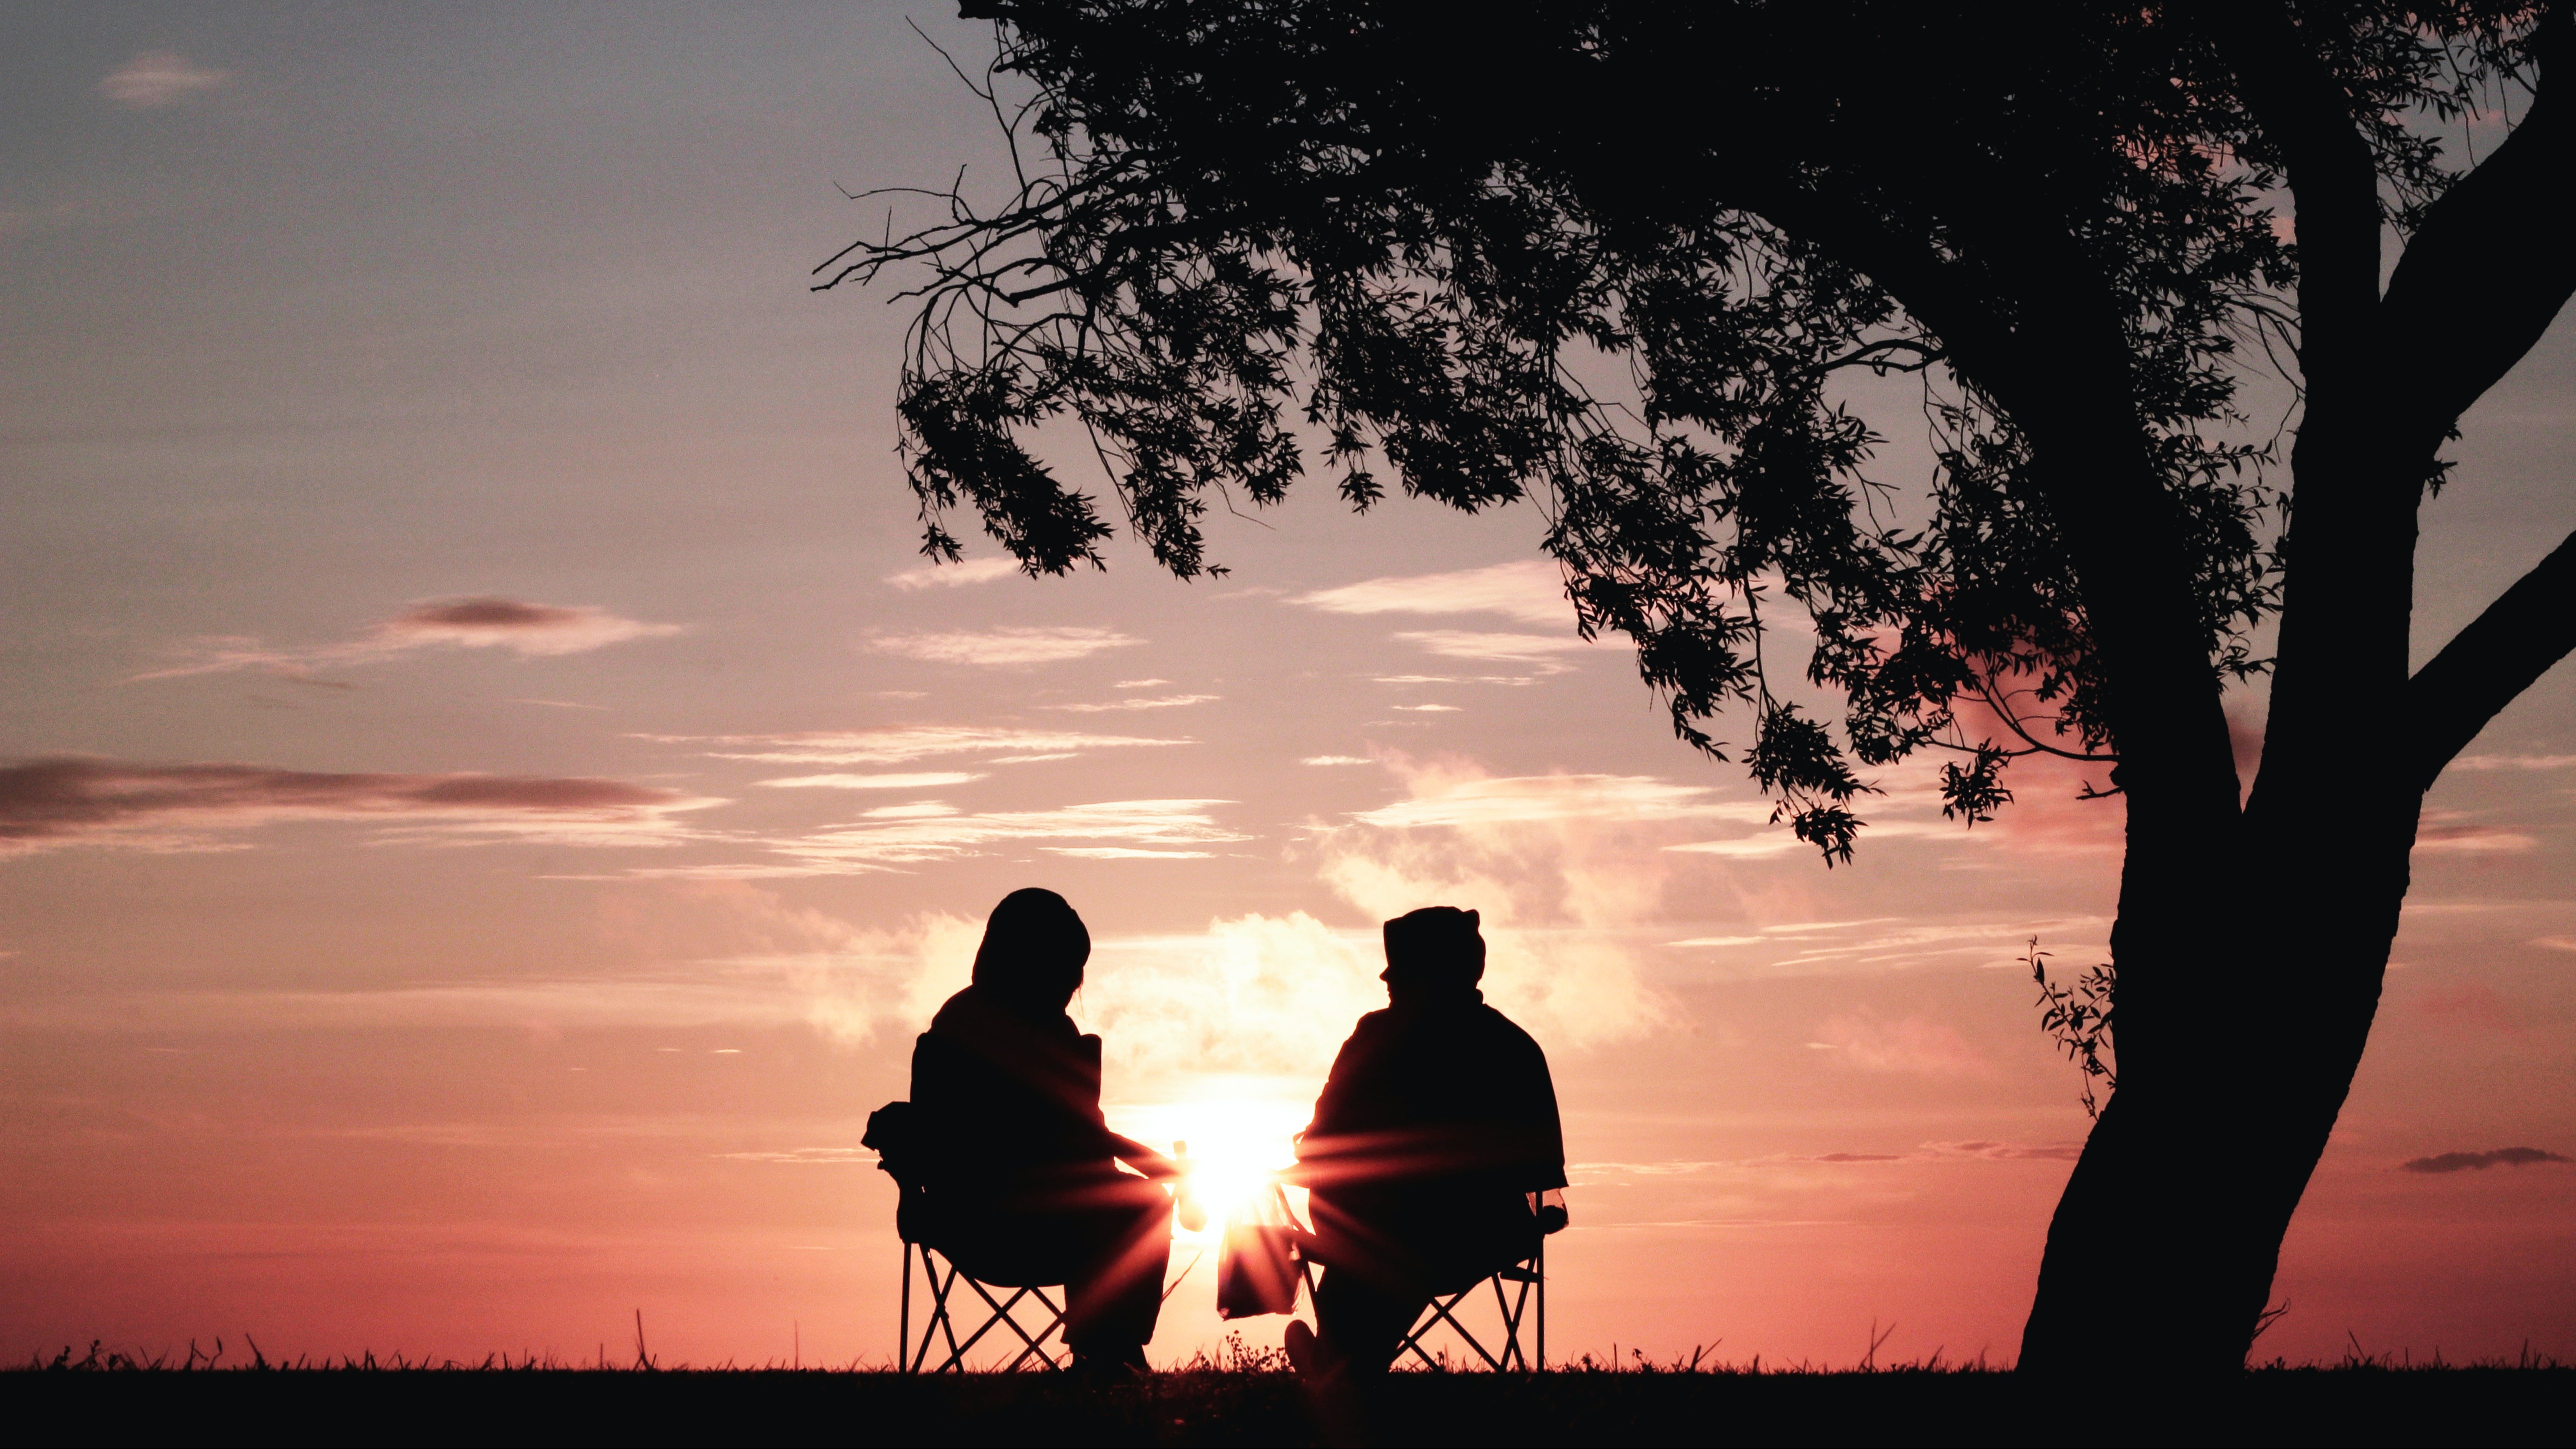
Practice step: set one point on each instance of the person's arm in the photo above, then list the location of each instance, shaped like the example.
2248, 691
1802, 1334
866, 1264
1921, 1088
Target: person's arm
1143, 1158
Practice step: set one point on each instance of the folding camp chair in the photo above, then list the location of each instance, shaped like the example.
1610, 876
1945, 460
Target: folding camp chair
1528, 1291
941, 1275
1522, 1305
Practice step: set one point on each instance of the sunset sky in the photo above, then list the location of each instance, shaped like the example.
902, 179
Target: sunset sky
489, 791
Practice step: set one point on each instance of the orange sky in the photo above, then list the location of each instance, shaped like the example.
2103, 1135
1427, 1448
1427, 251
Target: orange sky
513, 794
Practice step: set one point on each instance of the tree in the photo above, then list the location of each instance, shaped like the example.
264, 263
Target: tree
1620, 259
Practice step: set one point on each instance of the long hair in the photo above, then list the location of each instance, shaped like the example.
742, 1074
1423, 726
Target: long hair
1033, 951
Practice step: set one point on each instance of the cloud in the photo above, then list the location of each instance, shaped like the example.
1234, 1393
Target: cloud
485, 622
1365, 760
1859, 1157
2513, 762
1138, 683
2555, 943
903, 744
1530, 590
810, 1156
612, 1002
1529, 649
2008, 1151
851, 981
1461, 796
2480, 1161
524, 628
1429, 708
1547, 861
995, 647
63, 801
2453, 830
949, 576
2469, 1006
924, 780
157, 78
929, 830
1255, 995
1168, 701
1982, 943
1912, 1044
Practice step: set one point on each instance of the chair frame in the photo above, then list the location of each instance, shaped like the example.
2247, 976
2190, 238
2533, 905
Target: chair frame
942, 1323
1530, 1291
1529, 1277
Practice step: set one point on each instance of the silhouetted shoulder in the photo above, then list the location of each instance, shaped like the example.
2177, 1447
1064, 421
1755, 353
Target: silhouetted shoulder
1373, 1025
1504, 1028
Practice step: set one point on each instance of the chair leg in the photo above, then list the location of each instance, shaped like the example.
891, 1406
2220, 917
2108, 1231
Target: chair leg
1440, 1313
1001, 1314
940, 1322
1514, 1309
903, 1325
1037, 1345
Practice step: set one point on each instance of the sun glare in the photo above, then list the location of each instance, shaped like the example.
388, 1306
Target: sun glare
1239, 1131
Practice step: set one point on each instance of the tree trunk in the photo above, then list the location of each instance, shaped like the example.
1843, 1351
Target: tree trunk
2162, 1251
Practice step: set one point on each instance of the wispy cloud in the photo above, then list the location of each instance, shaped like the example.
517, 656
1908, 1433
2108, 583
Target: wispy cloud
2008, 1151
1542, 650
75, 800
902, 744
2480, 1161
995, 647
2513, 762
2454, 830
1530, 590
1546, 859
489, 622
158, 78
1912, 1044
1337, 760
1447, 797
1840, 947
920, 780
1428, 708
929, 831
949, 576
1117, 706
485, 622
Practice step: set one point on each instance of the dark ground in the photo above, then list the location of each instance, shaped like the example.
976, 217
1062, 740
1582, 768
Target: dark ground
2336, 1406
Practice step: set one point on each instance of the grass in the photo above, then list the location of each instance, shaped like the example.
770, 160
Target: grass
1242, 1397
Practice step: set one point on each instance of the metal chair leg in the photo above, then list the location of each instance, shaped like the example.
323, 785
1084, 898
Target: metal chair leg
1530, 1281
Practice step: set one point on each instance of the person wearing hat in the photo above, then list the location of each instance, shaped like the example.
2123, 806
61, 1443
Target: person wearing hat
1431, 1142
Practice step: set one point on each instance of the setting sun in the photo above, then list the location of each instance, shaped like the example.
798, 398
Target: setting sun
1239, 1131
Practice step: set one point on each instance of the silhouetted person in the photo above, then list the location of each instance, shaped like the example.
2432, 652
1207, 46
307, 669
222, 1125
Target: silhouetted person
1020, 1175
1438, 1123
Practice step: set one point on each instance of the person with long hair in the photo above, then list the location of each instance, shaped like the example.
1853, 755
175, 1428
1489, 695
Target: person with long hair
1020, 1175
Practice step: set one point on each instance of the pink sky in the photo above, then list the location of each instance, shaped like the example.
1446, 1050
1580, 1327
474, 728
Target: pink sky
488, 792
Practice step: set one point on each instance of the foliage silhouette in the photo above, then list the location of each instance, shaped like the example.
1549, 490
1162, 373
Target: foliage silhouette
2078, 1018
1624, 261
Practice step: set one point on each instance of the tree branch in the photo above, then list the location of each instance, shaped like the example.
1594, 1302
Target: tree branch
2492, 263
2305, 111
2529, 628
